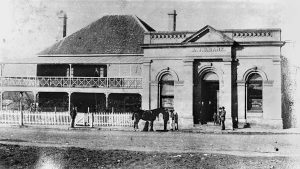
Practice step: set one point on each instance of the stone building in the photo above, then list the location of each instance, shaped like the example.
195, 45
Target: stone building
121, 58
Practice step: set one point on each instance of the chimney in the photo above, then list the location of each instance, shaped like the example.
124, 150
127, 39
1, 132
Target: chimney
172, 21
62, 15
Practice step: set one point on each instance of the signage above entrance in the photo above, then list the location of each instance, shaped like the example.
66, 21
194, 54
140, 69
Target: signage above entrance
210, 51
207, 49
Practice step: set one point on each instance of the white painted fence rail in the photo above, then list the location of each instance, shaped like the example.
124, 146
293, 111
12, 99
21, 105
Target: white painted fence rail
36, 118
112, 119
10, 117
63, 118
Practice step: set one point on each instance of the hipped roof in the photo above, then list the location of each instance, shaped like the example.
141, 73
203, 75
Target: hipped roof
111, 34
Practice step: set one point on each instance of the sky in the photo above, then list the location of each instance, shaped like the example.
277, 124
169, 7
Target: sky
29, 26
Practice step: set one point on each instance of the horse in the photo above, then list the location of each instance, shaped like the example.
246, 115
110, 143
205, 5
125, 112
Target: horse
149, 115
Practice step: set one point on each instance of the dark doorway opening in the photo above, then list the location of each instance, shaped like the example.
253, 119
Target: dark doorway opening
206, 98
209, 101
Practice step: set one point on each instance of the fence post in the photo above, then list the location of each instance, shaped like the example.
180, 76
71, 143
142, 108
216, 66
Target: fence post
21, 116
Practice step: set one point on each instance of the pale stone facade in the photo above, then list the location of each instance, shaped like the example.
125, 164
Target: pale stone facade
234, 56
192, 72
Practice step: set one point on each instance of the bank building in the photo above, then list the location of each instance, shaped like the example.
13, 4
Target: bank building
120, 62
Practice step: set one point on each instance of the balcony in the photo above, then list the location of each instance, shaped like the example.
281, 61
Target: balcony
73, 82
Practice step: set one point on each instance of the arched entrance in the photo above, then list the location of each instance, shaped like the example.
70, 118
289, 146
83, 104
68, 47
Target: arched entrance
206, 98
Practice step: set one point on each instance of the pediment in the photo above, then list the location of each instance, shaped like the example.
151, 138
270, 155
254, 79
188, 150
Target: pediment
208, 34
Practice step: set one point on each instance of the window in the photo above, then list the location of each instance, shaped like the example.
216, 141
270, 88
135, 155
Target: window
254, 93
167, 91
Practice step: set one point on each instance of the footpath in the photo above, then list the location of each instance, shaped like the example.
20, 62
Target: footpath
204, 129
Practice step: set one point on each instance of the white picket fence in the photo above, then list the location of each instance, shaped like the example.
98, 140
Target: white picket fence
112, 119
63, 118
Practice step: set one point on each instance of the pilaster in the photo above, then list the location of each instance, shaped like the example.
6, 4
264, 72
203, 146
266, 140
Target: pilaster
185, 112
146, 99
241, 94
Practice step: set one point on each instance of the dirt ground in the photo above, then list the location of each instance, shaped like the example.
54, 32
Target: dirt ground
16, 156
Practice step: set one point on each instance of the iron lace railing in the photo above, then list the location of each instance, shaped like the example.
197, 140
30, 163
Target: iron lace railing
72, 82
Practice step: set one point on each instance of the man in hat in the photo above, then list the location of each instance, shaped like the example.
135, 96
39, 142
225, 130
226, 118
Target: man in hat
219, 115
73, 114
172, 119
222, 116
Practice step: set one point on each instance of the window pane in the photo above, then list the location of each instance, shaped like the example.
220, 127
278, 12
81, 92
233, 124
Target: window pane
167, 91
167, 102
254, 91
167, 88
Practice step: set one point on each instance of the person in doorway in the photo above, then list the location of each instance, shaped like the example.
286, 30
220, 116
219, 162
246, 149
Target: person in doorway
222, 116
73, 114
215, 116
176, 120
202, 111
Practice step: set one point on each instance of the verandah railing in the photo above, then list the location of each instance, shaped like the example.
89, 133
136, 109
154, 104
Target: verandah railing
70, 82
63, 118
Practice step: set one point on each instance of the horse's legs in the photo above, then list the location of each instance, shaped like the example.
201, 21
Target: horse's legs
151, 126
146, 127
136, 124
165, 125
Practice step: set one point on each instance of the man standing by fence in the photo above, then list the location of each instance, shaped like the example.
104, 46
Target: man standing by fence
73, 114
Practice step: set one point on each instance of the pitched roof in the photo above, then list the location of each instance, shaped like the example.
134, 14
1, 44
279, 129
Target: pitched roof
111, 34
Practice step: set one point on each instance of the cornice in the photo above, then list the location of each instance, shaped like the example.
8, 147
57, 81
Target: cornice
186, 45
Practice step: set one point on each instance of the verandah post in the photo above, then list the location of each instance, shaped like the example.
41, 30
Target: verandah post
21, 112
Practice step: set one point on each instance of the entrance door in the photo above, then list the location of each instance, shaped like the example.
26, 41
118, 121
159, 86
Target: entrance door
206, 98
209, 101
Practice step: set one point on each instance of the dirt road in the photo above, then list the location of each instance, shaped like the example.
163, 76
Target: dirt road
242, 145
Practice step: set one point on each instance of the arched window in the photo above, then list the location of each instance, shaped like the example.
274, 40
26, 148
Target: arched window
166, 91
254, 89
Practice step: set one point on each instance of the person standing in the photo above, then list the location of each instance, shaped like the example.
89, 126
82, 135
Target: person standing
176, 120
219, 115
222, 116
166, 119
73, 114
172, 118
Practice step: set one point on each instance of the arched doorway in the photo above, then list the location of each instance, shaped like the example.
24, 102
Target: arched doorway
254, 87
166, 87
206, 98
